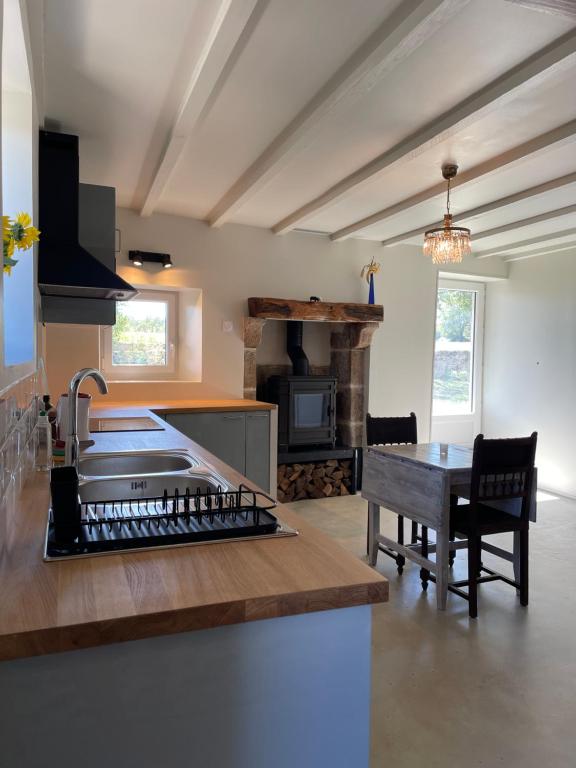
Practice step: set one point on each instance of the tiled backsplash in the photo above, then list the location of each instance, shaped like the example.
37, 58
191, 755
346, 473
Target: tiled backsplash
19, 409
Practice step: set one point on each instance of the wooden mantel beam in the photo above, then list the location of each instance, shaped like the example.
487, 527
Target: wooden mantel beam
316, 311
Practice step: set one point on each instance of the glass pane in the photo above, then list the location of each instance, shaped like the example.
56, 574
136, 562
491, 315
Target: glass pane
454, 352
310, 410
140, 336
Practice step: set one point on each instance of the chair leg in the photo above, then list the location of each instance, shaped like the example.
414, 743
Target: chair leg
424, 573
524, 567
414, 536
473, 565
400, 559
451, 552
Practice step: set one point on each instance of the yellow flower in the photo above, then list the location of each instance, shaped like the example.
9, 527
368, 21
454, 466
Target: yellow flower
24, 219
30, 236
17, 234
6, 225
370, 269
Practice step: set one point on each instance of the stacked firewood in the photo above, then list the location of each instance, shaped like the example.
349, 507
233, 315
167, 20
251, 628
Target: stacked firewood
316, 480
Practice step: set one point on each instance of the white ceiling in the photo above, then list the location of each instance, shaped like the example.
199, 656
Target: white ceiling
250, 110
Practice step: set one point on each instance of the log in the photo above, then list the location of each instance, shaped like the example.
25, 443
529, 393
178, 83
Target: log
311, 480
301, 483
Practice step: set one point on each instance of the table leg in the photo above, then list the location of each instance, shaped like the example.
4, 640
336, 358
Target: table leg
373, 530
442, 555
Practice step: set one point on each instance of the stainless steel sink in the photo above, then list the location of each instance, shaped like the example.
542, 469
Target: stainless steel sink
148, 486
114, 464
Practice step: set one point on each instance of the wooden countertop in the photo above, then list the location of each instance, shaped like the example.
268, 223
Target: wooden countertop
106, 408
65, 605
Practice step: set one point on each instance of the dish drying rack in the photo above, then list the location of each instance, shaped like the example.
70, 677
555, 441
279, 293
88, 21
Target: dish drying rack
169, 520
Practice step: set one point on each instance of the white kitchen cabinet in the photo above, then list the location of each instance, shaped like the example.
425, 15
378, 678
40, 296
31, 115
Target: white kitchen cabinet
238, 438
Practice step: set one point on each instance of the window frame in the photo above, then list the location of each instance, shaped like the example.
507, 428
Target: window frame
474, 416
146, 372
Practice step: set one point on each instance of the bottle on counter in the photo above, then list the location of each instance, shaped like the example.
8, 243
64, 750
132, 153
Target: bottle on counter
51, 413
43, 459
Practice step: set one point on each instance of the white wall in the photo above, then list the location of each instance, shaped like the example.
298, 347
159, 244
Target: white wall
235, 262
530, 362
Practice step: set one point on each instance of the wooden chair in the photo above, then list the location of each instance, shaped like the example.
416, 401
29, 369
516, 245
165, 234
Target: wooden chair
395, 430
502, 471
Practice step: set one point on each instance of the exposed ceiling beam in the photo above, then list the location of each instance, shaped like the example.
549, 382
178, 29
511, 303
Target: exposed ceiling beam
504, 249
227, 33
543, 251
413, 23
529, 149
526, 75
560, 7
513, 225
467, 216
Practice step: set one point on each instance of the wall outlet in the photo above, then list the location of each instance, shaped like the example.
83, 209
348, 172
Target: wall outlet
227, 326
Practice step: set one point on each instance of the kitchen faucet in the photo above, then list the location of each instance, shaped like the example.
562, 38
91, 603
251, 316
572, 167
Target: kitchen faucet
72, 451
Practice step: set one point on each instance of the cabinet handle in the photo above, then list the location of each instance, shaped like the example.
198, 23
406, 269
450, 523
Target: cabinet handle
233, 418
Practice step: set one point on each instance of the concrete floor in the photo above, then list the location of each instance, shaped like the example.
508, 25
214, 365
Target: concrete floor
450, 691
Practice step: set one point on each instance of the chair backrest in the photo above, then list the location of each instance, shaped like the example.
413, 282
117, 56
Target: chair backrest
503, 469
391, 430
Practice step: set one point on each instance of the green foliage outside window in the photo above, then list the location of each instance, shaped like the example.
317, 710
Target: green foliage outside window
139, 339
454, 315
453, 357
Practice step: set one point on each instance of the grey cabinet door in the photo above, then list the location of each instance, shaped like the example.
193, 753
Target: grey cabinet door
223, 434
258, 448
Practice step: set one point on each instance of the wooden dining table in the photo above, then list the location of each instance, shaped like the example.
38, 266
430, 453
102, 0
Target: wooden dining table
417, 481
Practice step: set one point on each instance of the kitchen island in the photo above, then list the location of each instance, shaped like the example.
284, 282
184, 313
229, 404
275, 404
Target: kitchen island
253, 653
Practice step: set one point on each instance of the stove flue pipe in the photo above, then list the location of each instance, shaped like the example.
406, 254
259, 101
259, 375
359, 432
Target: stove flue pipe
300, 363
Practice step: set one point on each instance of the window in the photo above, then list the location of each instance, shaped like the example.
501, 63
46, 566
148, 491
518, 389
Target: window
142, 344
456, 401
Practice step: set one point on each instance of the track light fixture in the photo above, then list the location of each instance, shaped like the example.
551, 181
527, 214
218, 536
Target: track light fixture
139, 258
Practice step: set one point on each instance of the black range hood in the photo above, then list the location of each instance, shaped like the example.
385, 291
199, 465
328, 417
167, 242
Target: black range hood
65, 268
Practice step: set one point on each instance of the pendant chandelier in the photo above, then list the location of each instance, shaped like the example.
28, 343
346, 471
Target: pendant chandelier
447, 244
